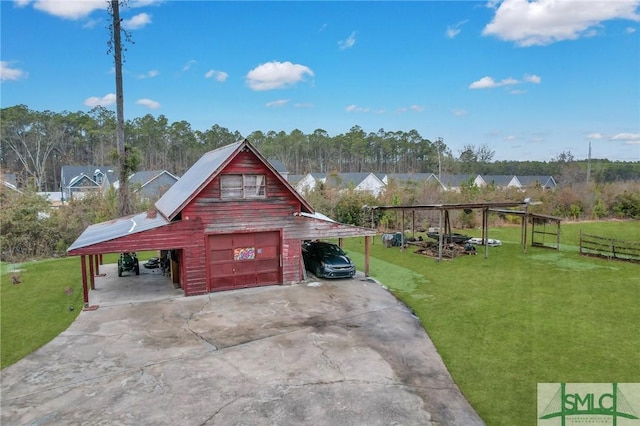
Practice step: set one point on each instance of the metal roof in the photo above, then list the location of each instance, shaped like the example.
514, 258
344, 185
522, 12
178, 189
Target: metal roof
194, 179
121, 227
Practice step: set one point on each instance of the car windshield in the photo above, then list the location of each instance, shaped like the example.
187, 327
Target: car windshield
330, 250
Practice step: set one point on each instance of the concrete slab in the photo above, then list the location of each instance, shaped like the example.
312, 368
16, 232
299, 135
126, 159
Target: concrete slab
325, 353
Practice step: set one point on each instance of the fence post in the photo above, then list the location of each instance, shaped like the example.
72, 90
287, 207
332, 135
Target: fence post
580, 241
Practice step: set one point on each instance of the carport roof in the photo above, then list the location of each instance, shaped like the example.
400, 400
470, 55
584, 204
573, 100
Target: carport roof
116, 228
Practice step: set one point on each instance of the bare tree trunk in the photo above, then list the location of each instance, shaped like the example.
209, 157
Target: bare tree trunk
124, 207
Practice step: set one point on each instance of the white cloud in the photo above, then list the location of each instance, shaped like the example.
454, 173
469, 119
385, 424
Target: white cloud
630, 30
106, 100
69, 9
278, 103
532, 78
542, 22
189, 64
149, 74
142, 3
9, 73
594, 136
148, 103
303, 105
459, 112
356, 108
137, 22
416, 108
454, 30
219, 75
348, 43
488, 82
276, 75
630, 138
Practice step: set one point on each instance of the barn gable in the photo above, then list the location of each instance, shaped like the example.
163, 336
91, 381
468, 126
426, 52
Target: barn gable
205, 170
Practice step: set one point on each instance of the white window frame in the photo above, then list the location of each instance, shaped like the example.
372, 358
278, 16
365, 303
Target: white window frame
242, 186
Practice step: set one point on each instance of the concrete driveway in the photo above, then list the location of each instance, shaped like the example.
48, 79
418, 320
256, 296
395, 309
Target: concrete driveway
340, 352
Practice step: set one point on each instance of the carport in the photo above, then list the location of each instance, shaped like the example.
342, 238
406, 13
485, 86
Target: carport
445, 223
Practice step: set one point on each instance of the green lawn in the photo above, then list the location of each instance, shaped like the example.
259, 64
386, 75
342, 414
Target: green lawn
39, 308
501, 324
506, 323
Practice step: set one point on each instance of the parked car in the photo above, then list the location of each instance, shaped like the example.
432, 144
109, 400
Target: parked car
326, 260
128, 262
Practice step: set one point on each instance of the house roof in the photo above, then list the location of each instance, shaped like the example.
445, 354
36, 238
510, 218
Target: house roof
204, 171
71, 172
278, 165
544, 181
455, 180
499, 180
110, 230
146, 176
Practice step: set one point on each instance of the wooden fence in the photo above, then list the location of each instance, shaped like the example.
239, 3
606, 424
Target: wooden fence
610, 248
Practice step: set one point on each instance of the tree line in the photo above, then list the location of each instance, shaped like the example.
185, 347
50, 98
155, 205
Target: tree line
35, 144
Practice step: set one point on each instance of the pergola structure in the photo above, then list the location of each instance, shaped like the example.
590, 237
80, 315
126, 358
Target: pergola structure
445, 223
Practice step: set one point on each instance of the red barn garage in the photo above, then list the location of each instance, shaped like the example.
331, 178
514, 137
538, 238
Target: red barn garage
231, 221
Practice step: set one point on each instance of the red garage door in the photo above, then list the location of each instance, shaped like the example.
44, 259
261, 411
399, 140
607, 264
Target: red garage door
244, 260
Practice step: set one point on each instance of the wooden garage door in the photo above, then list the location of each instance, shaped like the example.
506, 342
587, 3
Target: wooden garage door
244, 260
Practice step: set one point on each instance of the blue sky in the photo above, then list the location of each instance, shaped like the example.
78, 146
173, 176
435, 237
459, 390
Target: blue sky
530, 79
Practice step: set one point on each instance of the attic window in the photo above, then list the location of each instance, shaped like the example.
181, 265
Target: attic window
242, 186
98, 177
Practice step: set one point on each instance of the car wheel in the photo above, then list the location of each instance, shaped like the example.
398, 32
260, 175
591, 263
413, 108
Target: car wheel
318, 272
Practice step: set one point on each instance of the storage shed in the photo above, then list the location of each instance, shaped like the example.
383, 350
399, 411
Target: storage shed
231, 221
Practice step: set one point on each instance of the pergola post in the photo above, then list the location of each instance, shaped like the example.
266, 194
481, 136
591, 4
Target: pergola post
366, 256
485, 231
340, 242
85, 289
92, 280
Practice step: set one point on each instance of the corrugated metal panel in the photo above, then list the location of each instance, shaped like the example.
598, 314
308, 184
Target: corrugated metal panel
194, 179
106, 231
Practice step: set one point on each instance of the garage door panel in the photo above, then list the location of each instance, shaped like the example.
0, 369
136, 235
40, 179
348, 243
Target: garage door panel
267, 265
222, 269
244, 260
240, 240
266, 252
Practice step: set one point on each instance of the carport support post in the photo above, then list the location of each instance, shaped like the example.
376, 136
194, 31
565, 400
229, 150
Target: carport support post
97, 265
366, 256
91, 272
85, 289
485, 231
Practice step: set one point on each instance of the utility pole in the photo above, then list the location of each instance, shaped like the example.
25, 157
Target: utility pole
116, 45
589, 165
439, 162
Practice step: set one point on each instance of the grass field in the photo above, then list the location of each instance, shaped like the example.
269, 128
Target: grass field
501, 324
506, 323
47, 300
